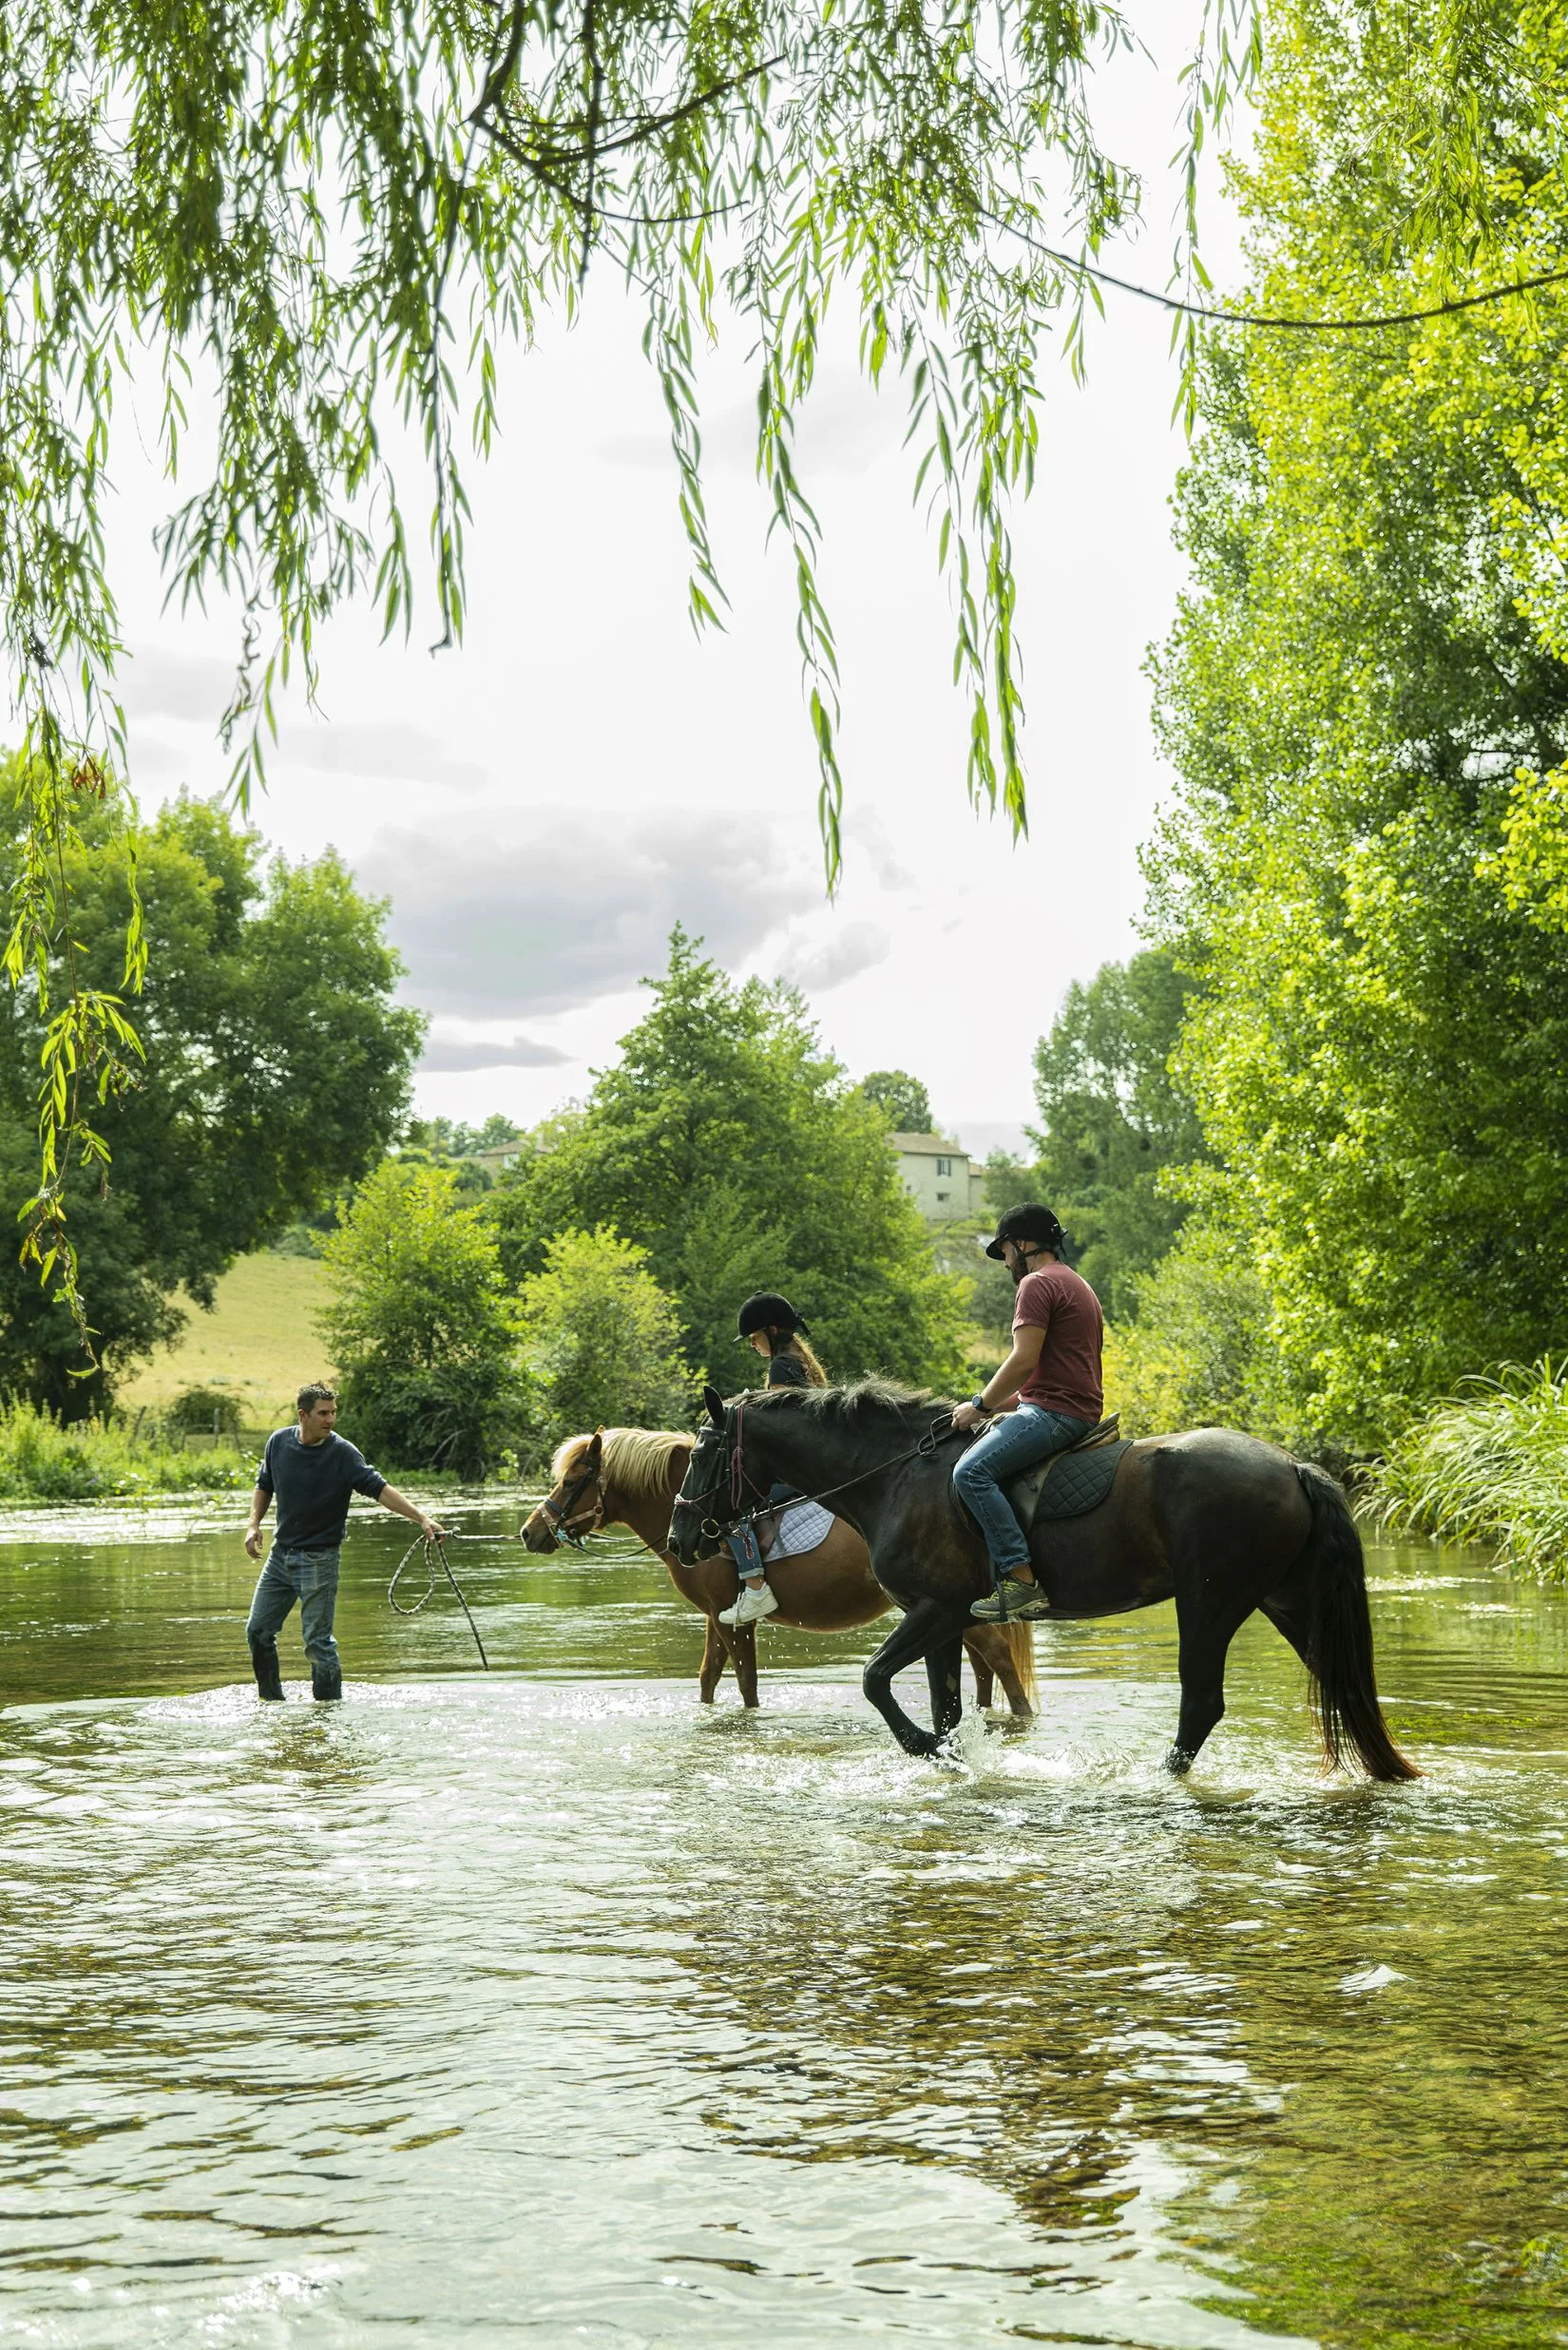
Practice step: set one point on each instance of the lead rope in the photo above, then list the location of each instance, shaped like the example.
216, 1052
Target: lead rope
434, 1544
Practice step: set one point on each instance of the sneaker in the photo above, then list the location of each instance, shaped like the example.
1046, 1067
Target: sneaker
1012, 1603
750, 1608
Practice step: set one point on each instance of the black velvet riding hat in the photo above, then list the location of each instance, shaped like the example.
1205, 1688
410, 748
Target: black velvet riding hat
766, 1310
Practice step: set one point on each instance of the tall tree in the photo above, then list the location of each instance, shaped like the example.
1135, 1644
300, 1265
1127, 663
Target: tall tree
1366, 699
732, 1148
278, 1068
1112, 1118
420, 1326
902, 1100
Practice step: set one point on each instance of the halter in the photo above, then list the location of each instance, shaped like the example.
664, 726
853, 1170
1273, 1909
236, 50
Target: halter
558, 1513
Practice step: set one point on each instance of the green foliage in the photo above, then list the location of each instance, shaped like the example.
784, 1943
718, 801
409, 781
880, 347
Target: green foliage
1489, 1465
729, 1146
1112, 1119
278, 1068
314, 220
602, 1340
43, 1460
201, 1411
902, 1100
1371, 656
1199, 1352
420, 1326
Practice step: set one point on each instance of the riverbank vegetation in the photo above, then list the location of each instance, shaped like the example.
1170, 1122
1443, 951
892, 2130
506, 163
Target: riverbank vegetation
44, 1459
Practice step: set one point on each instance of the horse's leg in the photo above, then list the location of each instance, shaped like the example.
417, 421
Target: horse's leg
1206, 1633
715, 1658
927, 1625
743, 1656
985, 1677
944, 1678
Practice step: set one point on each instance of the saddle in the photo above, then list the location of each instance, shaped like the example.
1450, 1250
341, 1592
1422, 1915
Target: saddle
1070, 1483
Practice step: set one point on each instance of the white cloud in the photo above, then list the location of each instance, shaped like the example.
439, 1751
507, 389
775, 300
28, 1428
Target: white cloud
858, 947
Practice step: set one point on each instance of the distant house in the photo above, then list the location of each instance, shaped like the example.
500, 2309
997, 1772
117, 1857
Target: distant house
940, 1178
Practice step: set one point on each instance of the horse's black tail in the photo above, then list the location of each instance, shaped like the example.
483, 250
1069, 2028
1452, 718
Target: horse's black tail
1339, 1639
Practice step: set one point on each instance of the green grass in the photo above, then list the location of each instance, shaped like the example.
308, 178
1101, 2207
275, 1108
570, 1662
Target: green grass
260, 1343
1489, 1464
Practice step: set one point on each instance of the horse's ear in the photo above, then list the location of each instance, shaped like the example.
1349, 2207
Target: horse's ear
714, 1403
596, 1448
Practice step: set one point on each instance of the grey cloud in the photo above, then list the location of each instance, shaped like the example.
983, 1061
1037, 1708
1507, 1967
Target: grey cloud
198, 687
859, 947
843, 426
447, 1056
559, 911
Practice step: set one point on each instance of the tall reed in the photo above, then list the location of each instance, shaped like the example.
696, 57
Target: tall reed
1489, 1464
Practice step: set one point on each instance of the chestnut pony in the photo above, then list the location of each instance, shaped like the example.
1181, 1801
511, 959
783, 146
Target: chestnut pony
630, 1476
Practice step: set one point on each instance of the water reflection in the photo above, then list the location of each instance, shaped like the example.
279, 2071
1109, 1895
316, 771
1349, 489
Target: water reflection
544, 2006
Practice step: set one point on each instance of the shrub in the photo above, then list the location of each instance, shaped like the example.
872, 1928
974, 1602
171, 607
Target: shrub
421, 1327
1489, 1464
602, 1339
201, 1411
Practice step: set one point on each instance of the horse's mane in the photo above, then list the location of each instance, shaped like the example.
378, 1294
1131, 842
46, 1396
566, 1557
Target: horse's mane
636, 1461
861, 1402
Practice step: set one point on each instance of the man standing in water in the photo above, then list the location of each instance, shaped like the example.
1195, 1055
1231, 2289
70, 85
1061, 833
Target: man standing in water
1048, 1388
312, 1471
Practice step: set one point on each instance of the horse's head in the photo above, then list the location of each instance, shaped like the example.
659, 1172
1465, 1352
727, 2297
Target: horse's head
575, 1507
702, 1507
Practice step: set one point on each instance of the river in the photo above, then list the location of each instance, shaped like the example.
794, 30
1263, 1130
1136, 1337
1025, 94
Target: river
544, 2006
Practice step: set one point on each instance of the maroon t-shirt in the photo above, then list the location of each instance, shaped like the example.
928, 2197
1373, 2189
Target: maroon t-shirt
1067, 1377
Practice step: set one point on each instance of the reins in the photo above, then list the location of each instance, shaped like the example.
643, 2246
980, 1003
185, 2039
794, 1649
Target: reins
434, 1544
936, 1434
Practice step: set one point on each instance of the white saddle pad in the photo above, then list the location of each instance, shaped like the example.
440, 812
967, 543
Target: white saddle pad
803, 1526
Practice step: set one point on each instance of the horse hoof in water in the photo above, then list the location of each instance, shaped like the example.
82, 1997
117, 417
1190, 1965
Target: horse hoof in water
1178, 1763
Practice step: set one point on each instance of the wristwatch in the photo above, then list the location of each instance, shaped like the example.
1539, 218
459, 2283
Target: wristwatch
980, 1404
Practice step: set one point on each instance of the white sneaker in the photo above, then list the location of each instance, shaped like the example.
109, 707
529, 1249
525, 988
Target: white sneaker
750, 1608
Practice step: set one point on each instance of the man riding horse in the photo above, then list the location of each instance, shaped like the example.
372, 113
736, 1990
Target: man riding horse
1048, 1392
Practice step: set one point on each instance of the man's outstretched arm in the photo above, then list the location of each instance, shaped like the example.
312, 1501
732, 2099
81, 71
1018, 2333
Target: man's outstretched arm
401, 1506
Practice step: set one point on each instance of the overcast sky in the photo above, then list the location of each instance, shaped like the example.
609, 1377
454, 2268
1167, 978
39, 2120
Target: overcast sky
541, 804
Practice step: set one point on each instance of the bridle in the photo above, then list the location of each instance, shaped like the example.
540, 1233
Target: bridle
560, 1513
732, 1471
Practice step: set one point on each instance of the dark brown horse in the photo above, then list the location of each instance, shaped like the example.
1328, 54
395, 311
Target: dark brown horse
1219, 1522
630, 1476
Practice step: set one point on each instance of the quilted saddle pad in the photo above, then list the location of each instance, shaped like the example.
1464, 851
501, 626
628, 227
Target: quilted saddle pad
1069, 1484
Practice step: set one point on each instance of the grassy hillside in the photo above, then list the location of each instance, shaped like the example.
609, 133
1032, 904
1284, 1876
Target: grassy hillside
259, 1340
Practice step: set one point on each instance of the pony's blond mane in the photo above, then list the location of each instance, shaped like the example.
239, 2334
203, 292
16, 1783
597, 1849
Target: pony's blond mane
636, 1460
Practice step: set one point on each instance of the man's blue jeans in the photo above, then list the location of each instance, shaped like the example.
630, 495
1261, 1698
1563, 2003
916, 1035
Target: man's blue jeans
1019, 1441
310, 1576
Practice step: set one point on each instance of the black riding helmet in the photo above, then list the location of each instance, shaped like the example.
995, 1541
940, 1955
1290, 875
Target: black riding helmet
1029, 1221
766, 1310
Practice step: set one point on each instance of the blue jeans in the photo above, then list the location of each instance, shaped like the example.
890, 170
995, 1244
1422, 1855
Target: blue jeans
1019, 1441
310, 1576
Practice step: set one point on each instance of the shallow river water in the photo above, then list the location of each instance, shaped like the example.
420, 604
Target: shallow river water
545, 2006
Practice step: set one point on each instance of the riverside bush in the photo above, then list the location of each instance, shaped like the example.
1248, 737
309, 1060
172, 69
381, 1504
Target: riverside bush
1489, 1464
91, 1460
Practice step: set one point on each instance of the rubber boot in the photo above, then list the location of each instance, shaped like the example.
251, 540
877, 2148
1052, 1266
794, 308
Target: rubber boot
327, 1680
269, 1681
